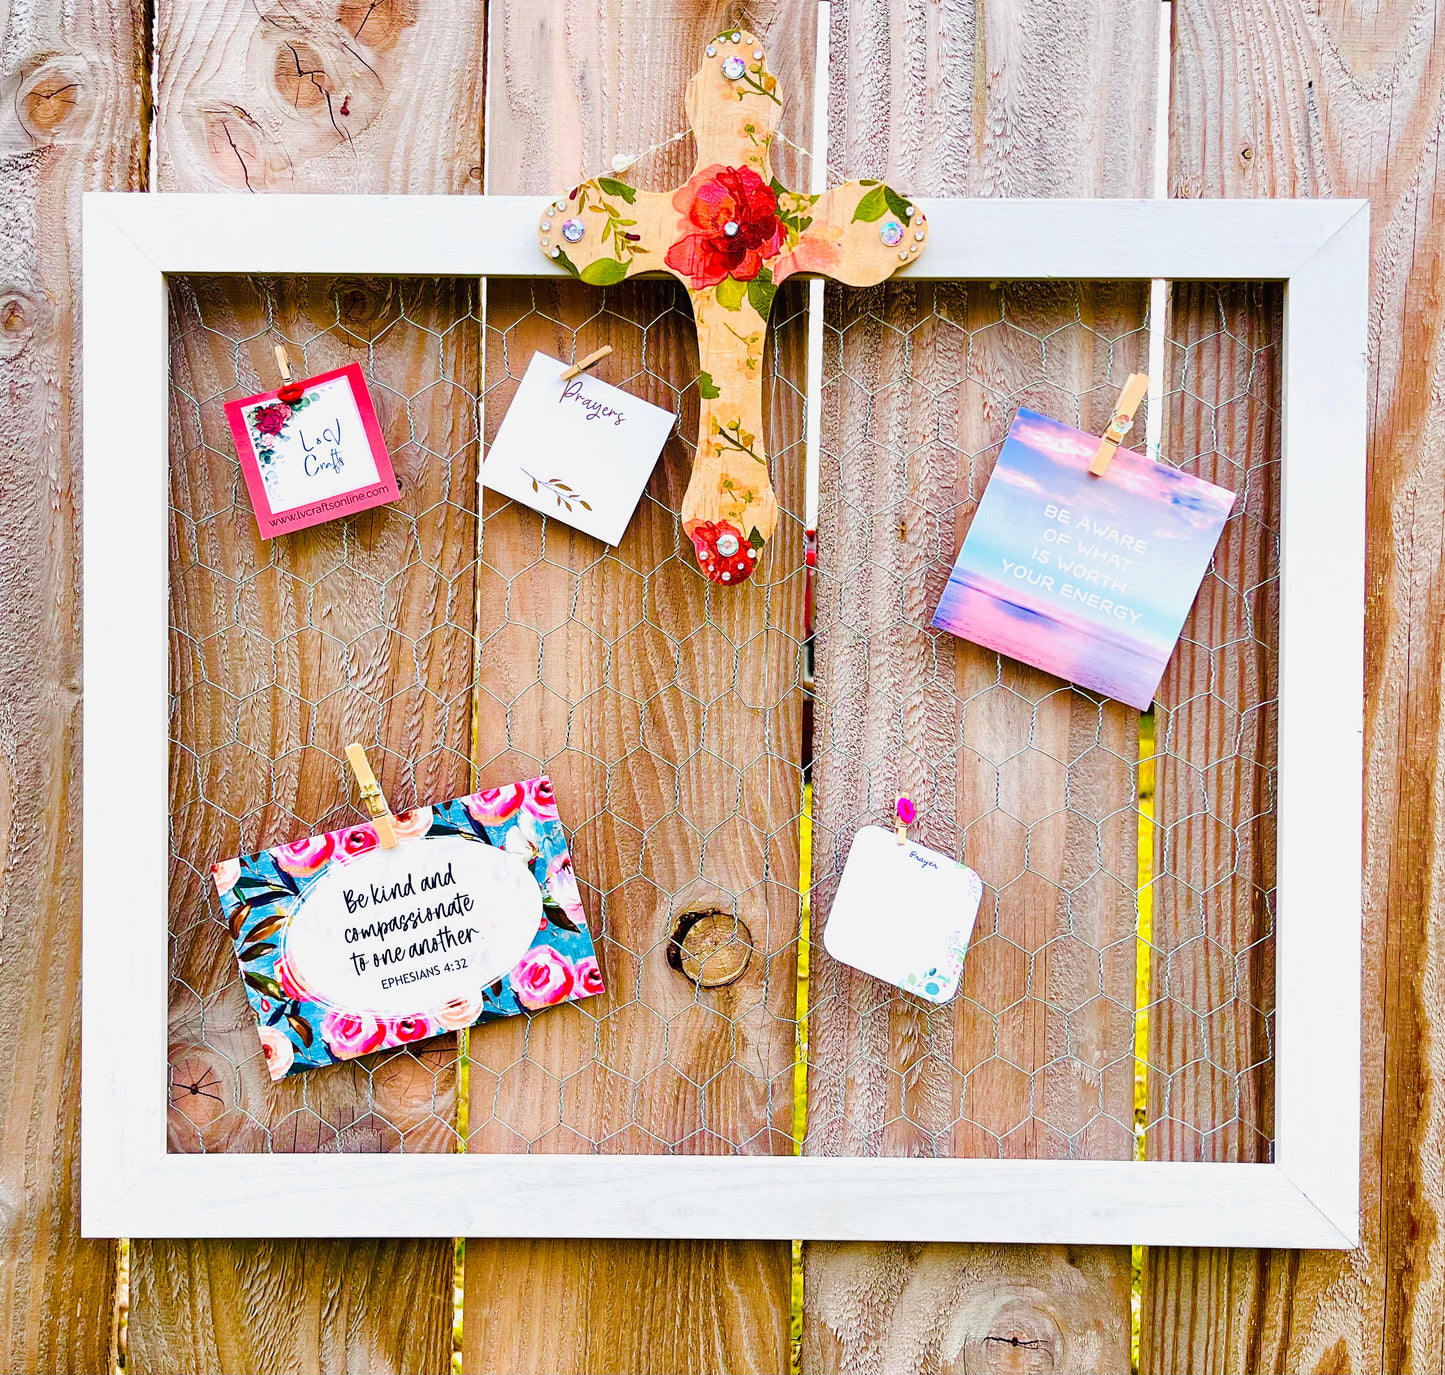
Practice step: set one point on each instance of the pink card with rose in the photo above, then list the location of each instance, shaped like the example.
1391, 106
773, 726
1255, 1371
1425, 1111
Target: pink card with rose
312, 451
346, 947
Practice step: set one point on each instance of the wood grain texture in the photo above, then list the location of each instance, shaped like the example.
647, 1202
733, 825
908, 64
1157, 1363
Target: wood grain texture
1210, 1057
285, 651
620, 1306
669, 715
74, 121
319, 95
1288, 99
1031, 782
358, 1306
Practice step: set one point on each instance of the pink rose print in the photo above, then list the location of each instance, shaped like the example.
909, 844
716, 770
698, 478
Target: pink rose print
412, 825
354, 842
492, 806
352, 1033
540, 800
589, 978
402, 1030
287, 977
225, 874
460, 1012
544, 977
271, 419
277, 1048
814, 253
305, 857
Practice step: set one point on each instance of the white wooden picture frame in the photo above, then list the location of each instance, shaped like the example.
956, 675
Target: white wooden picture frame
1307, 1197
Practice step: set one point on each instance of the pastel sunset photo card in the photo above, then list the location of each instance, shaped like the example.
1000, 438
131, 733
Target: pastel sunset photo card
1089, 578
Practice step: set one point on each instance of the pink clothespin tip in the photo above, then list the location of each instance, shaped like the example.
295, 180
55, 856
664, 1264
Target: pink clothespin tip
906, 815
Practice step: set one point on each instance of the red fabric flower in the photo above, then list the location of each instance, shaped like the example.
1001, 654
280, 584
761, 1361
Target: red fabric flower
270, 419
725, 196
722, 552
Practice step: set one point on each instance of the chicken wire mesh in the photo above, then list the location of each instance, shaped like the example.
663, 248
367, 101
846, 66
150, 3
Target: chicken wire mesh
1031, 782
283, 651
670, 716
1209, 921
668, 713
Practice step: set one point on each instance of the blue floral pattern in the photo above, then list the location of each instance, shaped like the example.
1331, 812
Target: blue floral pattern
260, 892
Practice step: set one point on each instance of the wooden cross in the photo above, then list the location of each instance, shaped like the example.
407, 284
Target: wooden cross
733, 233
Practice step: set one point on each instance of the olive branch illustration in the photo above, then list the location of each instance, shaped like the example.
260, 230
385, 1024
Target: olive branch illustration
564, 494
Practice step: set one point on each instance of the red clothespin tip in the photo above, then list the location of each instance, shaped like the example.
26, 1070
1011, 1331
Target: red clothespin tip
907, 813
291, 391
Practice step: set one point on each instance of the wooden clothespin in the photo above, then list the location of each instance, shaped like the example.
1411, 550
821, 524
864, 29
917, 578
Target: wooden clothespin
906, 812
595, 356
290, 391
1121, 422
371, 796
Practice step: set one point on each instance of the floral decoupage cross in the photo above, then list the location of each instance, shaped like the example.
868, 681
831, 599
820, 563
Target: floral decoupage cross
733, 233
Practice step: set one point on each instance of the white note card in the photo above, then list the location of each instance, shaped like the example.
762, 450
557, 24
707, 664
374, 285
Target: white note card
580, 451
904, 914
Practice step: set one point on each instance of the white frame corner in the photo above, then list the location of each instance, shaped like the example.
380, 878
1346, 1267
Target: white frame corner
1308, 1197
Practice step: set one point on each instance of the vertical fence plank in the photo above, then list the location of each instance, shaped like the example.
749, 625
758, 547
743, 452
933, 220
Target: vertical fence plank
76, 94
1031, 781
1278, 99
1210, 1057
670, 718
283, 652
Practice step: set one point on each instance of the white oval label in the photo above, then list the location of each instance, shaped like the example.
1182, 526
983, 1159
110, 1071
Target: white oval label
398, 932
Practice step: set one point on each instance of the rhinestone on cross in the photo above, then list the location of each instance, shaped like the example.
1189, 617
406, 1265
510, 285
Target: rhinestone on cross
733, 233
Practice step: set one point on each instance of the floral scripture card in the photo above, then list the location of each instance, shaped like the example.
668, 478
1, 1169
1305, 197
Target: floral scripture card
580, 451
314, 456
346, 947
904, 914
1089, 578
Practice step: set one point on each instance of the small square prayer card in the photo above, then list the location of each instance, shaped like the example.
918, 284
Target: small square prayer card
580, 451
904, 914
315, 457
1089, 578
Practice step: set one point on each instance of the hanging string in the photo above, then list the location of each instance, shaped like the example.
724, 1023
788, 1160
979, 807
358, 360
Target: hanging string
621, 162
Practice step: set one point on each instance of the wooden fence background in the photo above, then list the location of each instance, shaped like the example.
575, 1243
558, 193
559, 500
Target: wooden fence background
959, 97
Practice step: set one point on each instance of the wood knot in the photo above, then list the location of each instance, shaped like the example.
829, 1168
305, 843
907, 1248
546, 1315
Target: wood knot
17, 322
56, 94
302, 79
1010, 1331
710, 948
201, 1088
364, 309
379, 24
